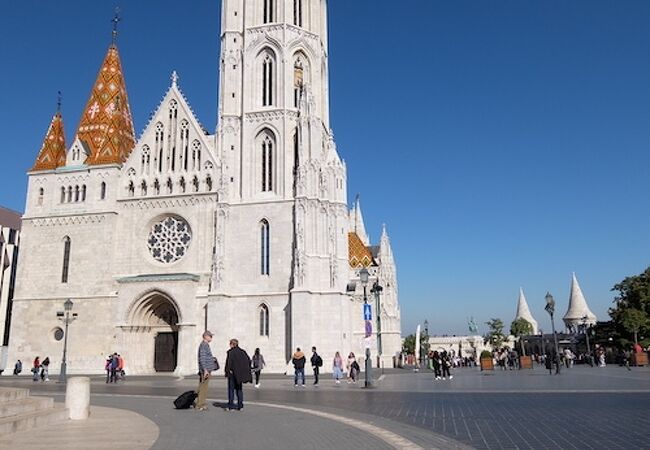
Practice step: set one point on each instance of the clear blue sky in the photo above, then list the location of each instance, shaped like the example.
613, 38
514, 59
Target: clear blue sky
505, 144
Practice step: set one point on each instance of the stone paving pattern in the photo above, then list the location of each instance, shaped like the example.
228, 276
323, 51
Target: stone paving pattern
583, 408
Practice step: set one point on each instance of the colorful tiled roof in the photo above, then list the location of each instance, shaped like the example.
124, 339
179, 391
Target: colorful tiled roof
106, 127
359, 254
52, 154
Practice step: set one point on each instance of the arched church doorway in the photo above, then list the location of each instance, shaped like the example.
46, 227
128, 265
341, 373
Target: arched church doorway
153, 333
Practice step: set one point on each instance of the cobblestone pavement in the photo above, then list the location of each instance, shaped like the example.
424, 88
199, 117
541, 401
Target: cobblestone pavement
583, 408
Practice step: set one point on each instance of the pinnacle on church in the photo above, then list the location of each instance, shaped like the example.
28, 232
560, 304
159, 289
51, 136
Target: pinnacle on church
358, 226
578, 313
52, 153
106, 127
523, 311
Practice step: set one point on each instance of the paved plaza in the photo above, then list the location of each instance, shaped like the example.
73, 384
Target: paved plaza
582, 408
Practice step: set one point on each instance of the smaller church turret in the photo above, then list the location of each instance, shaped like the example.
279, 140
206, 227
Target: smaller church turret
52, 153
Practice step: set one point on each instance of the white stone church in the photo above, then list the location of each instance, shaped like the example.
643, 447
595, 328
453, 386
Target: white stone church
246, 232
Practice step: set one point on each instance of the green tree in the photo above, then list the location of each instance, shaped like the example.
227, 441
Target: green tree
495, 336
631, 310
634, 320
408, 346
521, 327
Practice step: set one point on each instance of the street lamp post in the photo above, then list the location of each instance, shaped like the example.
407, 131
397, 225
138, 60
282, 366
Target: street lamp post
377, 289
550, 309
66, 318
586, 330
363, 276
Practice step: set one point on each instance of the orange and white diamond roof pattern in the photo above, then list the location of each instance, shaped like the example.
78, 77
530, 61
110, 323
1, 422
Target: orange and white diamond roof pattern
106, 126
359, 254
52, 154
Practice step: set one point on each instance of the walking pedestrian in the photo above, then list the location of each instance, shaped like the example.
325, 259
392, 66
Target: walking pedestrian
18, 367
115, 362
353, 368
316, 363
107, 367
45, 369
207, 363
257, 366
435, 362
35, 368
238, 371
446, 365
120, 368
298, 361
337, 368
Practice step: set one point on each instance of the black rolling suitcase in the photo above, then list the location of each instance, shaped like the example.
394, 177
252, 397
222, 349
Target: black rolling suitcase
185, 400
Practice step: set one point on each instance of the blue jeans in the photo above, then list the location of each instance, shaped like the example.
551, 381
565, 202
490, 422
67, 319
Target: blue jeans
300, 373
235, 388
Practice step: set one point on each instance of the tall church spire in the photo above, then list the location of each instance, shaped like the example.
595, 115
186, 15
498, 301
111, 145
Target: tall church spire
106, 127
356, 222
52, 153
523, 312
578, 313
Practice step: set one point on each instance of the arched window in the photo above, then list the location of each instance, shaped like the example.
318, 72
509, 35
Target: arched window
195, 183
196, 155
41, 193
208, 183
269, 12
264, 320
156, 187
181, 183
267, 80
131, 189
69, 194
62, 194
158, 151
66, 259
76, 193
185, 144
143, 188
83, 193
265, 246
267, 163
146, 159
297, 12
102, 191
170, 186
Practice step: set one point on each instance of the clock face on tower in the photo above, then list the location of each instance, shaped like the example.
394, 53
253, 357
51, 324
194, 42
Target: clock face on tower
169, 239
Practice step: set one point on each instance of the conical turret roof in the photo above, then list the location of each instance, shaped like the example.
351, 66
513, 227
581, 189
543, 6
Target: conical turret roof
578, 308
52, 154
106, 127
523, 311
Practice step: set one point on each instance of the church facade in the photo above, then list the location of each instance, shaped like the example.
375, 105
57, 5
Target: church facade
245, 231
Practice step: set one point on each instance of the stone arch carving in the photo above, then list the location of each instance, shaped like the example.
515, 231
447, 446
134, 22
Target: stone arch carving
153, 307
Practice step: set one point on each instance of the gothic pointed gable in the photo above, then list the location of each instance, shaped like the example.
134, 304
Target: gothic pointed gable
180, 128
356, 223
106, 126
523, 311
52, 153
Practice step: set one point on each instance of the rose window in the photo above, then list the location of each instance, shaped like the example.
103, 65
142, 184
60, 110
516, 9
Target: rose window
169, 239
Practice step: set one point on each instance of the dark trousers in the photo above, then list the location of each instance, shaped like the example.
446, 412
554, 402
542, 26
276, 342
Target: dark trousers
315, 374
258, 373
300, 373
445, 371
113, 375
235, 388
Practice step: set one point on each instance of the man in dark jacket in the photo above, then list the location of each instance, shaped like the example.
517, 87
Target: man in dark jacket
316, 363
238, 371
298, 361
206, 365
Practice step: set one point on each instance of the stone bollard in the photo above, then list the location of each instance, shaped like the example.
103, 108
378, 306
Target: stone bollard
77, 397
